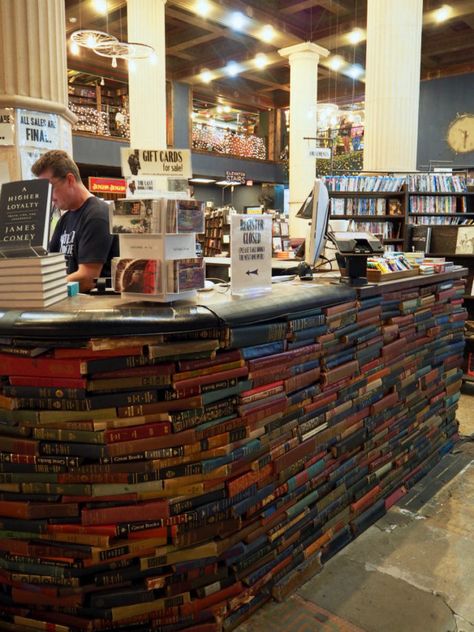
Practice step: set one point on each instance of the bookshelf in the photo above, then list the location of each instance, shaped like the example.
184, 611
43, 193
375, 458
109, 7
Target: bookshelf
217, 233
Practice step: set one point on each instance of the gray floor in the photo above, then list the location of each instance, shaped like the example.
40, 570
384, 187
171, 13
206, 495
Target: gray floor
413, 571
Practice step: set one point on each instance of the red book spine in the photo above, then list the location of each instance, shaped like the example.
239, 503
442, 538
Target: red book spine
139, 432
12, 365
62, 382
133, 513
88, 354
221, 358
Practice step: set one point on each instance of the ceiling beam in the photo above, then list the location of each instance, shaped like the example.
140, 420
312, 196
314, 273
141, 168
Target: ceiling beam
333, 6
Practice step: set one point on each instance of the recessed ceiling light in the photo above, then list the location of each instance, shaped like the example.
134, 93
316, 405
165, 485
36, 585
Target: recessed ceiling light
443, 13
233, 68
202, 180
355, 71
336, 62
238, 21
355, 36
72, 20
267, 33
202, 8
206, 76
260, 61
100, 6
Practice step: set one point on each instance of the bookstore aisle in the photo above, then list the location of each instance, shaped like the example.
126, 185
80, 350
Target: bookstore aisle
413, 571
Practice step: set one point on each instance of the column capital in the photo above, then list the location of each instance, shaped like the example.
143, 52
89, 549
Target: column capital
304, 49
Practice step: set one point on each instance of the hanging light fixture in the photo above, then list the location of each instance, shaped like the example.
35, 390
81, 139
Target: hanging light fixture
131, 51
89, 38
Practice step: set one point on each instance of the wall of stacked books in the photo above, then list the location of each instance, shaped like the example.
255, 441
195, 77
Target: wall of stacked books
183, 466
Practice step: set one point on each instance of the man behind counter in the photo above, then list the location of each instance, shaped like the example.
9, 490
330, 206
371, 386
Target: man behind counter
82, 233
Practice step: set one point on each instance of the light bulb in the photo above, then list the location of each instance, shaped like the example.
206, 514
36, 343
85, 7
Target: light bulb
267, 33
443, 13
206, 76
336, 62
74, 48
100, 6
232, 69
91, 41
260, 61
114, 62
237, 20
202, 8
355, 36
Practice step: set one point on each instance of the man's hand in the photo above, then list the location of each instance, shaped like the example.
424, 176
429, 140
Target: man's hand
85, 275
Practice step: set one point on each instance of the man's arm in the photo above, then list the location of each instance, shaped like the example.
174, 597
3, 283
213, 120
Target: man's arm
85, 274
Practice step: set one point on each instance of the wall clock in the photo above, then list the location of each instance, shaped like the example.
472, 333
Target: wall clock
461, 134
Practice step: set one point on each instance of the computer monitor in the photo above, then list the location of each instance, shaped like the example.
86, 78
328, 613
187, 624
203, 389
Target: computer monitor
316, 209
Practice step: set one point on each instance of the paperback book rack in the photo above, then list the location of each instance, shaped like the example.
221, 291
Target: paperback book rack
182, 478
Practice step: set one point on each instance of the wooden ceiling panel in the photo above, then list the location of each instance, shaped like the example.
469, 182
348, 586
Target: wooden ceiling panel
194, 43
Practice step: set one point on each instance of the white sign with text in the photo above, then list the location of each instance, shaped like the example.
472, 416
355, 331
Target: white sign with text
7, 121
38, 129
320, 152
173, 163
251, 253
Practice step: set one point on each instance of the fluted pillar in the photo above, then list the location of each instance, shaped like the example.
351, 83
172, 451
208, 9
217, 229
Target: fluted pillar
304, 59
147, 85
33, 81
392, 84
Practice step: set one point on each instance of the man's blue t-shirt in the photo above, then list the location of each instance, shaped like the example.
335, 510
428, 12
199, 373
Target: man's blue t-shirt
84, 236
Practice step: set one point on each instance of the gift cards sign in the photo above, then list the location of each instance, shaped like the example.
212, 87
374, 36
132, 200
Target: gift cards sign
172, 163
251, 261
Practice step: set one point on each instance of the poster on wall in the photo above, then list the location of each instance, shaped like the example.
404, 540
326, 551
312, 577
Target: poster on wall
7, 123
38, 129
173, 163
28, 156
251, 264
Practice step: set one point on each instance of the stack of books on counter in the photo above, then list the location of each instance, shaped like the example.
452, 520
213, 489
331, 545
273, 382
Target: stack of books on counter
32, 282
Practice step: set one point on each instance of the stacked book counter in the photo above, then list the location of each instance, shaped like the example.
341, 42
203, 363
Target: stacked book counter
177, 480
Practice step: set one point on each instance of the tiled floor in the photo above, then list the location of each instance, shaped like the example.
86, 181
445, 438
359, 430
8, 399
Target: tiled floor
413, 571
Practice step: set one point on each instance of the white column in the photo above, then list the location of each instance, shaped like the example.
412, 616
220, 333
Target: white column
33, 75
392, 84
147, 84
304, 59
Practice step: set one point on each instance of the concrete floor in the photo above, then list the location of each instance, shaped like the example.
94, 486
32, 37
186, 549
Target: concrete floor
413, 571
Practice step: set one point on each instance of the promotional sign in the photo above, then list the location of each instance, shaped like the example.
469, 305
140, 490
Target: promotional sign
235, 176
251, 265
38, 129
7, 121
107, 185
320, 152
174, 163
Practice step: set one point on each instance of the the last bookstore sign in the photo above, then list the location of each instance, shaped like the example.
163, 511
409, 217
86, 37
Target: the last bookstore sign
251, 262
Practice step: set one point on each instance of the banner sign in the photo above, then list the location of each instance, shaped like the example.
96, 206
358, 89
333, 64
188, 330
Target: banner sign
107, 185
174, 163
251, 265
38, 129
235, 176
7, 121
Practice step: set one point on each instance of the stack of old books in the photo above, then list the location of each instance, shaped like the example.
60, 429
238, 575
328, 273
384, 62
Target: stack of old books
32, 282
177, 481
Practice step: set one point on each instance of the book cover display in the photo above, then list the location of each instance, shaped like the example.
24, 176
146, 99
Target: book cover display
25, 211
179, 481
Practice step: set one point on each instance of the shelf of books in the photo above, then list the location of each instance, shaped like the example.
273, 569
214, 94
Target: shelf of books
157, 248
217, 232
180, 479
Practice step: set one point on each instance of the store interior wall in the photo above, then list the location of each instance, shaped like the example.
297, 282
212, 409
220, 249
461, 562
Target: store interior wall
441, 100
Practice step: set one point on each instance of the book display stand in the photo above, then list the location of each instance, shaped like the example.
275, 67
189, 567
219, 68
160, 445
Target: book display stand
157, 248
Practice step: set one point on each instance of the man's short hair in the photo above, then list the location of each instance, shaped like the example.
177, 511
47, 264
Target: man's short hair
59, 162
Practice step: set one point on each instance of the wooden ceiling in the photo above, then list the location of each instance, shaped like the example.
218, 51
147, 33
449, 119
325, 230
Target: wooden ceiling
194, 43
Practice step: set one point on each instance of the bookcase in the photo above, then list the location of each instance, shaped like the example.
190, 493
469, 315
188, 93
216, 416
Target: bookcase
217, 232
376, 204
